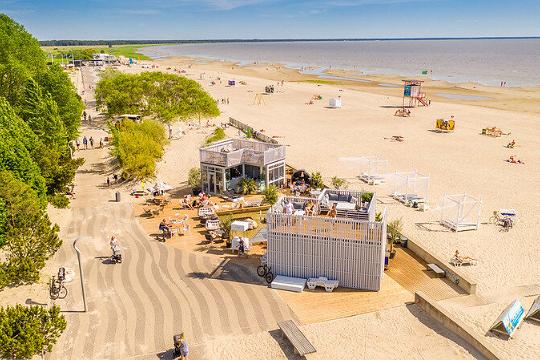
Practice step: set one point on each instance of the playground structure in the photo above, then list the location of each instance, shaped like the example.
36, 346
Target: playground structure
460, 212
411, 189
445, 125
412, 89
373, 170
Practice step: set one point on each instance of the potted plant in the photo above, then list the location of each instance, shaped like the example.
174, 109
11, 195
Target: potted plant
339, 183
394, 229
247, 186
194, 180
316, 180
271, 194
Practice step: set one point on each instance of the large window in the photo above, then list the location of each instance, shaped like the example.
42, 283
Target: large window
276, 174
253, 172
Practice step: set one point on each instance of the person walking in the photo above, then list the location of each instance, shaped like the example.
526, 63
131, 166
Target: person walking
89, 119
100, 143
84, 115
77, 143
108, 182
85, 142
92, 142
115, 177
170, 131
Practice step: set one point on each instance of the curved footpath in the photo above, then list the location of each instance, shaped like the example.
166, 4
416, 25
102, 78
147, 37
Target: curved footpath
135, 308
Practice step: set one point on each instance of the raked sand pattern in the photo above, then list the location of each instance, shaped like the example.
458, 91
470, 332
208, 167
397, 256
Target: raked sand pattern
135, 308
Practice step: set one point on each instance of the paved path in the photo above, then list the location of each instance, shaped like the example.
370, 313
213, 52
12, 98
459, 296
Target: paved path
136, 307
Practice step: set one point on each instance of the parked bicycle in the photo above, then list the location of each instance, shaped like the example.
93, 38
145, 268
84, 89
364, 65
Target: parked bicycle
265, 271
57, 289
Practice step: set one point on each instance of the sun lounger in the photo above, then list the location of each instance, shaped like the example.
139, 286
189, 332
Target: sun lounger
212, 225
463, 260
437, 270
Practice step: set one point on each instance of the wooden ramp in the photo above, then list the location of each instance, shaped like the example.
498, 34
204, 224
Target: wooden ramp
301, 344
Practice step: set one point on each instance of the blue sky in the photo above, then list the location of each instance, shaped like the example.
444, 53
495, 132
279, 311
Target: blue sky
219, 19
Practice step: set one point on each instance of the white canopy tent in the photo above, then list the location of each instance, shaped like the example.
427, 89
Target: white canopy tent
373, 169
160, 187
460, 212
411, 188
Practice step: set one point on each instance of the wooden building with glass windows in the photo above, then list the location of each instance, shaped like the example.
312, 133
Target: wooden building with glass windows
225, 163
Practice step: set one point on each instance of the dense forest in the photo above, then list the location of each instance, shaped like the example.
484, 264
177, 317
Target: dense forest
40, 114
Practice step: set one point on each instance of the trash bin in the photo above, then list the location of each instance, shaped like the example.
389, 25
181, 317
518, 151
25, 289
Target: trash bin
117, 195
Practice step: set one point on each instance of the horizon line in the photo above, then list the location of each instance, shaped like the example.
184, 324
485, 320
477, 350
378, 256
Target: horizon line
172, 41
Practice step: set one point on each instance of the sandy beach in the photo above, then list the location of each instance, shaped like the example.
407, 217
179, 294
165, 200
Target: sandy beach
319, 138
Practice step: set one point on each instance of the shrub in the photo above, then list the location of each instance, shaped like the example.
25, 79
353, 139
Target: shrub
271, 194
339, 183
394, 229
217, 135
249, 133
26, 331
316, 180
247, 186
367, 196
194, 178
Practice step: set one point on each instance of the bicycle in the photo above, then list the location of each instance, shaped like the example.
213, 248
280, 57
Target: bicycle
57, 290
265, 271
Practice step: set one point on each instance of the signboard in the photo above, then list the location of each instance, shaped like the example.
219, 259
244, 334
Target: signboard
407, 90
510, 318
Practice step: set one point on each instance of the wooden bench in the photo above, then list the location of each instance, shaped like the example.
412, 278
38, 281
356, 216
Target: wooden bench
301, 344
437, 270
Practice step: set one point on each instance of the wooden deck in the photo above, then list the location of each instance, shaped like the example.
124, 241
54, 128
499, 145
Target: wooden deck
411, 272
406, 275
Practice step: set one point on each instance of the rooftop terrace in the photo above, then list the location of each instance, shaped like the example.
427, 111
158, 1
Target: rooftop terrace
233, 152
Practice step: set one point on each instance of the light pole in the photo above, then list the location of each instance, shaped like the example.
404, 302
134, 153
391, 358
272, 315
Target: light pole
81, 272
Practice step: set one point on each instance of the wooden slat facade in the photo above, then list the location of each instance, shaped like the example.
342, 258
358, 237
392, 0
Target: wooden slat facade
345, 249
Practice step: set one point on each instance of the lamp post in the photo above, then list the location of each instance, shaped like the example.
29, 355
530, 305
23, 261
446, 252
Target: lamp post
81, 272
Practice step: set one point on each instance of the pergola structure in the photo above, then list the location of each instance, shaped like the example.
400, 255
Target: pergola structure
460, 212
373, 169
411, 188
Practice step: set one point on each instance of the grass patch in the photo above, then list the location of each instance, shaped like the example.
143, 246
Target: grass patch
83, 52
254, 215
320, 81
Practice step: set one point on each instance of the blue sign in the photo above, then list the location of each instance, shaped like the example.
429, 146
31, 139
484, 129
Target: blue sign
407, 90
513, 317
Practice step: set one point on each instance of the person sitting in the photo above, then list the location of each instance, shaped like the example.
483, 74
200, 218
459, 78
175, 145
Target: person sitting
165, 229
511, 144
309, 208
288, 209
333, 211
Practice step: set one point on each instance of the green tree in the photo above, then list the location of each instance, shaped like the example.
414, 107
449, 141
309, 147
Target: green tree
20, 59
316, 180
217, 135
168, 97
58, 85
138, 146
26, 331
339, 183
17, 145
194, 178
28, 236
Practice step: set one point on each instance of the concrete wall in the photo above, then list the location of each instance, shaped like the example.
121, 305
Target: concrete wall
451, 274
456, 326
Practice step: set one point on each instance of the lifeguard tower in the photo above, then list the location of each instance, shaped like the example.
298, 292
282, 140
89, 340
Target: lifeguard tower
412, 90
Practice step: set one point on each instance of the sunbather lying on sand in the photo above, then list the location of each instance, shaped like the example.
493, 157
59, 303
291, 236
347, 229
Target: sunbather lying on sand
513, 160
511, 144
396, 138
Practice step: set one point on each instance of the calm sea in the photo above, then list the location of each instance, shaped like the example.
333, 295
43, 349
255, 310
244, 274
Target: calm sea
485, 61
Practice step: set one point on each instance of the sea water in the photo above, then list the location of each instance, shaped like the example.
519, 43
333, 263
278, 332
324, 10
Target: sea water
484, 61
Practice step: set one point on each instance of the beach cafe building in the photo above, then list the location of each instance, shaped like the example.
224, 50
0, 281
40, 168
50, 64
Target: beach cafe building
225, 163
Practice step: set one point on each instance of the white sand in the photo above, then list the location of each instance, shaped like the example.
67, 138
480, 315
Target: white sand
398, 333
463, 162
